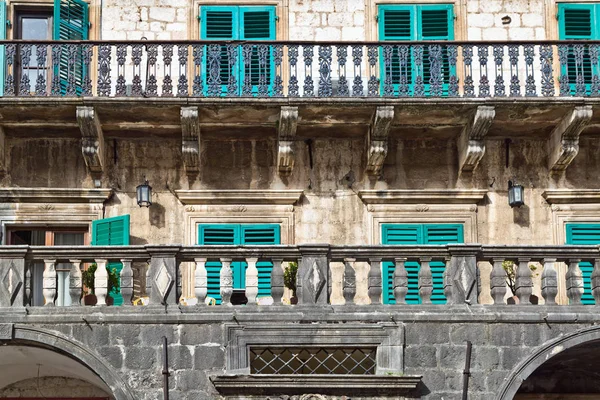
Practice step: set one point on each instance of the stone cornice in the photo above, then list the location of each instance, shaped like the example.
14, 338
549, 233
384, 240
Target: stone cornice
365, 385
429, 196
53, 195
569, 196
265, 197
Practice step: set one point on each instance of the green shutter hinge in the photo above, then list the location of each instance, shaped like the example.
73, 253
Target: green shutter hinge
8, 24
557, 17
199, 18
377, 18
276, 18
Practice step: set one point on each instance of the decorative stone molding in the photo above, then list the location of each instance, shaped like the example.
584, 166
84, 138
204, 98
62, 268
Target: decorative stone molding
92, 143
48, 196
572, 196
471, 143
280, 197
288, 123
378, 139
563, 145
3, 161
422, 197
190, 140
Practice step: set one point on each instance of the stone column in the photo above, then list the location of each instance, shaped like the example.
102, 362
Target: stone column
49, 287
311, 285
163, 275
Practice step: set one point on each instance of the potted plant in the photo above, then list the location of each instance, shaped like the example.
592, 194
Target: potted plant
88, 278
289, 280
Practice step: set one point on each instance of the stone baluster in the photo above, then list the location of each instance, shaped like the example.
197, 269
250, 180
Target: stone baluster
127, 282
596, 281
226, 278
75, 285
251, 281
375, 279
574, 282
27, 298
523, 281
277, 281
498, 281
313, 274
425, 280
549, 281
349, 280
201, 280
49, 286
101, 282
400, 281
148, 282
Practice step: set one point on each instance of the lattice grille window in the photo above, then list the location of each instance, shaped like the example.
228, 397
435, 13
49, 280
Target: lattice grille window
313, 360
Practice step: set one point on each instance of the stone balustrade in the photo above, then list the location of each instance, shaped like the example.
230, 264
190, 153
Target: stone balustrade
462, 281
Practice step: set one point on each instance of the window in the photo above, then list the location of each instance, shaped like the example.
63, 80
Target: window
229, 234
434, 234
583, 234
243, 70
406, 68
578, 22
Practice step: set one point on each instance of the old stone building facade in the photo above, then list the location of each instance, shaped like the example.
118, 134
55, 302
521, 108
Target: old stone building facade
369, 142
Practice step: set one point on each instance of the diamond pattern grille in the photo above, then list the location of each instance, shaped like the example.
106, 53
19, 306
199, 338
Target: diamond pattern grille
317, 360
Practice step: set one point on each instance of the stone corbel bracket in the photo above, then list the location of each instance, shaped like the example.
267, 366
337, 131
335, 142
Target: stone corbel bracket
288, 123
190, 140
471, 143
92, 142
564, 140
378, 139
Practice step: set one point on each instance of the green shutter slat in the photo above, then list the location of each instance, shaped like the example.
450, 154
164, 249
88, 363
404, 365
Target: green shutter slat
2, 53
257, 23
584, 234
219, 234
261, 235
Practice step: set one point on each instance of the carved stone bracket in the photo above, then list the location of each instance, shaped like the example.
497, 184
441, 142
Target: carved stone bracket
378, 139
92, 142
288, 123
471, 143
190, 139
564, 140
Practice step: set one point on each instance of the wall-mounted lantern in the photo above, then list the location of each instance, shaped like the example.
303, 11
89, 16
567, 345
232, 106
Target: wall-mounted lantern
516, 195
144, 194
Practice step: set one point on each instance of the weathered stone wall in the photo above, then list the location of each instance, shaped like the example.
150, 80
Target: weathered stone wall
55, 387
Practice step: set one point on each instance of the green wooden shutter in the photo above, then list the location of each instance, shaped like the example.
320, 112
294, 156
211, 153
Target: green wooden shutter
257, 23
440, 235
261, 235
397, 22
71, 22
578, 22
394, 235
2, 37
221, 234
435, 22
112, 232
582, 234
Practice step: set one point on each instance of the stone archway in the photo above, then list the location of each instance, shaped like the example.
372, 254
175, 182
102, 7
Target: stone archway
98, 371
542, 355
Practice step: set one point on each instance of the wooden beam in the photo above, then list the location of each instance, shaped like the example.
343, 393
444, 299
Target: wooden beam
378, 139
190, 140
288, 123
92, 142
563, 145
471, 142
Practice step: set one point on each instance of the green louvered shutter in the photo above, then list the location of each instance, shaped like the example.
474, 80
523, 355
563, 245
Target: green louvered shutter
435, 22
221, 234
112, 232
2, 37
258, 23
261, 235
582, 234
395, 235
71, 22
397, 22
440, 235
578, 22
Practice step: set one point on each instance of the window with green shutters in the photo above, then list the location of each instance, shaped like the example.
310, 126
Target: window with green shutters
584, 234
414, 22
415, 234
251, 23
112, 232
578, 22
235, 234
2, 53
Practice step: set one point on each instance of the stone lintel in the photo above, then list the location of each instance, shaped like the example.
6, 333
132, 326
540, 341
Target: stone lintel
563, 145
190, 139
427, 196
471, 143
213, 197
378, 139
92, 142
53, 195
288, 123
571, 196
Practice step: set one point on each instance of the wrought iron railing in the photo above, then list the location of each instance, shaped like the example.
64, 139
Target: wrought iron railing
301, 69
410, 270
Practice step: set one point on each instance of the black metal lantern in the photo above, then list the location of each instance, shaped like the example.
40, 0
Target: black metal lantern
516, 195
144, 194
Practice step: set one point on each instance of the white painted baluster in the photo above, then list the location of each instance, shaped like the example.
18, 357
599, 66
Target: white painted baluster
251, 281
226, 277
101, 282
201, 280
49, 286
75, 282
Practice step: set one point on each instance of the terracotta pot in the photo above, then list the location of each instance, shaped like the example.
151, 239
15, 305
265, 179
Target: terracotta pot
294, 299
90, 300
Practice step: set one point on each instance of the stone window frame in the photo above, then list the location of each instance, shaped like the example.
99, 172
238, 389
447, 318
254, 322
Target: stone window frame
550, 21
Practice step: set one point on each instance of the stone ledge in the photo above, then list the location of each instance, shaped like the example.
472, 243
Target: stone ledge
54, 195
427, 196
212, 197
568, 196
365, 385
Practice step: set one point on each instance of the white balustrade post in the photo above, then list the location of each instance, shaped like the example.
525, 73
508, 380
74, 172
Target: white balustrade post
126, 282
201, 280
226, 277
75, 286
49, 286
101, 282
251, 281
